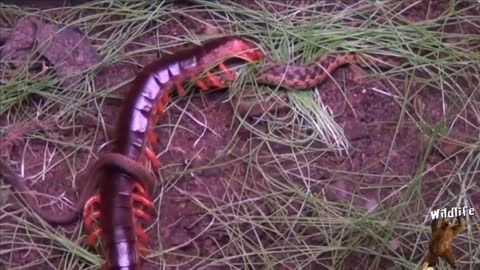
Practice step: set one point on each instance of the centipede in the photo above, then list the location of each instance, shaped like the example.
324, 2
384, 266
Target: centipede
115, 203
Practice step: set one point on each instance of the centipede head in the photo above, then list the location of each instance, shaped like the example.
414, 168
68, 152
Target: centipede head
230, 47
244, 49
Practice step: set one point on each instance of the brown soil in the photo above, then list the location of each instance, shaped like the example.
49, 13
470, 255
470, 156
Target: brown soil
383, 152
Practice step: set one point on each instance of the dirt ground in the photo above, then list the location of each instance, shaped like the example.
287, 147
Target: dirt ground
371, 121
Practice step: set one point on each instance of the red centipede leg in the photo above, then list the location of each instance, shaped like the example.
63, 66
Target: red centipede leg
155, 115
93, 237
143, 200
160, 105
138, 188
152, 157
160, 109
202, 85
89, 211
180, 89
165, 99
141, 235
139, 195
89, 219
141, 248
230, 75
214, 80
90, 203
141, 214
152, 138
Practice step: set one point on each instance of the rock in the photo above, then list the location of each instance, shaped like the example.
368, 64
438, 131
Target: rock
66, 48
